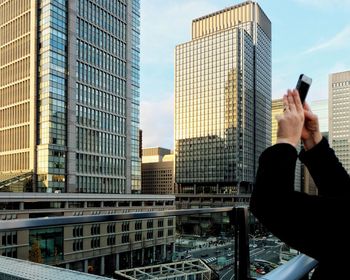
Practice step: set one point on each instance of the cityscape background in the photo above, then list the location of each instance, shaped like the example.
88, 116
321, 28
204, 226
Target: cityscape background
311, 37
89, 184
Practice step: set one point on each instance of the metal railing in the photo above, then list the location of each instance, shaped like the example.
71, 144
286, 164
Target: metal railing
15, 179
295, 269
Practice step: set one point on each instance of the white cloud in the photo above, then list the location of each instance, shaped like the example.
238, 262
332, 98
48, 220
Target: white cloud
326, 4
157, 123
166, 23
339, 40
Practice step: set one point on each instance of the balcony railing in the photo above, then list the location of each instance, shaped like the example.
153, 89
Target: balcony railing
295, 269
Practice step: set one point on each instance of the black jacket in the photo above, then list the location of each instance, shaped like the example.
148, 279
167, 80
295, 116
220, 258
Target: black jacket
314, 225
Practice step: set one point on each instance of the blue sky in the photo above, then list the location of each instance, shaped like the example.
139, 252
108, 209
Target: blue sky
308, 36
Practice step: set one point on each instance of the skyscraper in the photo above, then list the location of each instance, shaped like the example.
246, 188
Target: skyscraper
277, 109
339, 116
320, 108
157, 171
223, 99
69, 94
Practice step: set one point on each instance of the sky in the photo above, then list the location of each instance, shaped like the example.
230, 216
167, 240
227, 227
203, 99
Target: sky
308, 36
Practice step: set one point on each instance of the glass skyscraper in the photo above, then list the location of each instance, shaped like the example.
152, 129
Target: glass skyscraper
69, 94
339, 116
223, 100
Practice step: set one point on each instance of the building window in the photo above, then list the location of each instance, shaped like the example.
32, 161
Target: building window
150, 224
9, 238
170, 232
11, 252
160, 223
78, 245
78, 231
125, 226
110, 240
111, 228
138, 236
95, 229
170, 222
138, 225
160, 233
125, 238
149, 234
95, 242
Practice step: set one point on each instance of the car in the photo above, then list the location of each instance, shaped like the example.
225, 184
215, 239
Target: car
188, 256
260, 271
204, 255
230, 254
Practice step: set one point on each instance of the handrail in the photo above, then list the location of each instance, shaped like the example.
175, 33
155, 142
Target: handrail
239, 219
295, 269
22, 224
14, 179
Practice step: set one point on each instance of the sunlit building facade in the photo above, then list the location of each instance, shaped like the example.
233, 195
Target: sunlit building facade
320, 108
339, 116
277, 109
69, 94
222, 100
157, 171
98, 247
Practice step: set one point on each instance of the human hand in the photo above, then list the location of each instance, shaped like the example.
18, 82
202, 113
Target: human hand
291, 122
310, 134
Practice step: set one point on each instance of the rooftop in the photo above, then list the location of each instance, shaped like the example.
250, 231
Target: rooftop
33, 271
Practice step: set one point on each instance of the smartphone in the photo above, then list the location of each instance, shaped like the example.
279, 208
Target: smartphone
303, 85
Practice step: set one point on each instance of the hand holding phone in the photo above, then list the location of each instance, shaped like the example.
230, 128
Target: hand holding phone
303, 85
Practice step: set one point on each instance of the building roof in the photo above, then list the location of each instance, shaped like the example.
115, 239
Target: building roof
175, 270
13, 196
25, 270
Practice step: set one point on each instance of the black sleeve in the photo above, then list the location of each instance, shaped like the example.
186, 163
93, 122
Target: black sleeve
302, 221
328, 173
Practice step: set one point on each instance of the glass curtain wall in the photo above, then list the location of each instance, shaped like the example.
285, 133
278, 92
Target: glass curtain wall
101, 94
52, 95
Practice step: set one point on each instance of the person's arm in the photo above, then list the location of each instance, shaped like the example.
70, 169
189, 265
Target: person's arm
310, 224
307, 223
325, 168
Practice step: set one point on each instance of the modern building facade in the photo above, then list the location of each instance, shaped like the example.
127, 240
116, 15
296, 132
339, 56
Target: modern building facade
69, 94
320, 108
99, 248
277, 109
157, 171
223, 100
339, 116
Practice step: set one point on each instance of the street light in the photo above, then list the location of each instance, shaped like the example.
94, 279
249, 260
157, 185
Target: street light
252, 237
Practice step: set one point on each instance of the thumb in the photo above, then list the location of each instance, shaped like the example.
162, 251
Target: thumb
309, 115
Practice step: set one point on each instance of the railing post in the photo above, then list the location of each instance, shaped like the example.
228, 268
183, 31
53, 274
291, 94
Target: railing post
239, 218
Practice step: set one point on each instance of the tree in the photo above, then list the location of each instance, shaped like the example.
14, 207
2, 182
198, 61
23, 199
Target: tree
35, 253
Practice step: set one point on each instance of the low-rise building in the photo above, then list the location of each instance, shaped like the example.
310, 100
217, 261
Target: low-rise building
99, 248
157, 171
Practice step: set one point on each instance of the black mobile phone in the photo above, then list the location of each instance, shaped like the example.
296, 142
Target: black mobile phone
303, 85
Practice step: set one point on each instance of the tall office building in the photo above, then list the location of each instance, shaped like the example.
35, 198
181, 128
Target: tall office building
339, 116
223, 100
277, 109
157, 171
320, 108
69, 94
